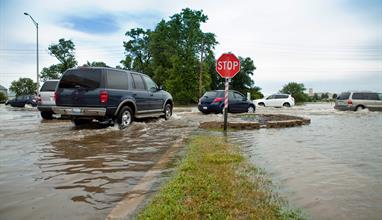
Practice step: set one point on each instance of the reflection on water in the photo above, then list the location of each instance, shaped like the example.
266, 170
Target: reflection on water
51, 170
331, 168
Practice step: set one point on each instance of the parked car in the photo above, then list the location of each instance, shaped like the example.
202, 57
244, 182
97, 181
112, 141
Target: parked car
213, 101
109, 95
46, 99
355, 101
23, 100
276, 100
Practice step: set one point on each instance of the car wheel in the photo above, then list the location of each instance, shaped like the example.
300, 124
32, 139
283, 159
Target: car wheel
167, 111
359, 108
46, 115
261, 104
125, 117
251, 109
79, 122
286, 104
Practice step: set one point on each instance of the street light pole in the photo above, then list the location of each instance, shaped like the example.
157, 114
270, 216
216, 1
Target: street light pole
38, 75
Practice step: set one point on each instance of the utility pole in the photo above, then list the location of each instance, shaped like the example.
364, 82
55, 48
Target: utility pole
201, 69
38, 73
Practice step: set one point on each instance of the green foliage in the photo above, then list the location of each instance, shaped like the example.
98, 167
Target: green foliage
256, 93
296, 90
64, 52
23, 86
177, 52
334, 96
138, 55
215, 181
96, 64
243, 82
3, 97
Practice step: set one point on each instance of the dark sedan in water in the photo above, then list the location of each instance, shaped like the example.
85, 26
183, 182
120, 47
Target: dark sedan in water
213, 102
23, 100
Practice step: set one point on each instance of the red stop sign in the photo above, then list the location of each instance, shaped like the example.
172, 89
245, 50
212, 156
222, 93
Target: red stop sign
227, 65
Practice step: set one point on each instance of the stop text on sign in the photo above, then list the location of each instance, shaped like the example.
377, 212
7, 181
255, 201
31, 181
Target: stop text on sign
227, 65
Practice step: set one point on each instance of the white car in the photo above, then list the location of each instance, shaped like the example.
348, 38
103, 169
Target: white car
276, 100
47, 99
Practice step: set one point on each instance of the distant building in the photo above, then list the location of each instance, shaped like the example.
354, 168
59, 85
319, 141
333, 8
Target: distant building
310, 93
4, 90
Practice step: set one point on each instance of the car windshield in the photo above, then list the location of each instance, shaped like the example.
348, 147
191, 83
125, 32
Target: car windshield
49, 86
81, 78
343, 96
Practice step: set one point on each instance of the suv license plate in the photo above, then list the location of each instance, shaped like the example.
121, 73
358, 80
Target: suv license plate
76, 111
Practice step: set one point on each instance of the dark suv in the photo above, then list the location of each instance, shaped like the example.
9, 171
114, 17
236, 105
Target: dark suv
109, 95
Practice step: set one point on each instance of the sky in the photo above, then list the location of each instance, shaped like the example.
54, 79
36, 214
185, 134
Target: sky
329, 45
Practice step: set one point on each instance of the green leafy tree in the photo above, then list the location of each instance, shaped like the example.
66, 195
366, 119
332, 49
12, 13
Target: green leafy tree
324, 96
64, 52
334, 96
3, 97
243, 82
96, 64
256, 93
138, 55
296, 90
176, 47
23, 86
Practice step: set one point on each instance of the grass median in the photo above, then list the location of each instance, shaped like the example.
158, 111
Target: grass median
214, 181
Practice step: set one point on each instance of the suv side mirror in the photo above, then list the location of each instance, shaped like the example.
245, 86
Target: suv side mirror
160, 87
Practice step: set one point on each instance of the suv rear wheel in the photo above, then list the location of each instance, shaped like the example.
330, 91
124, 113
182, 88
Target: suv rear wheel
286, 104
125, 117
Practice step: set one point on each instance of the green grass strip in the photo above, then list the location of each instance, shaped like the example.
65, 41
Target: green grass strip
214, 181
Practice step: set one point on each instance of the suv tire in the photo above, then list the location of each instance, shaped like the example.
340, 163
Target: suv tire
167, 111
125, 117
251, 109
286, 104
47, 115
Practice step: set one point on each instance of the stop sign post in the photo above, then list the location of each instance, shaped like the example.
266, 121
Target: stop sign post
227, 66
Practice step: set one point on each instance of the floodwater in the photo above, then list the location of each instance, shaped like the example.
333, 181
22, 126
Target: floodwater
52, 170
332, 168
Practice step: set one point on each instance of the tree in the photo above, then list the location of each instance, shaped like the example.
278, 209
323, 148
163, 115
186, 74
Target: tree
138, 55
64, 52
23, 86
334, 96
324, 96
3, 97
296, 90
96, 64
256, 93
243, 82
176, 47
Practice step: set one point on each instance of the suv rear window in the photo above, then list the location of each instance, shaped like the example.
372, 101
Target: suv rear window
49, 86
366, 96
85, 78
343, 96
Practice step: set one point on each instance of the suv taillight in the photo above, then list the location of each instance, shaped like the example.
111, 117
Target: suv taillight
56, 96
103, 97
350, 102
217, 100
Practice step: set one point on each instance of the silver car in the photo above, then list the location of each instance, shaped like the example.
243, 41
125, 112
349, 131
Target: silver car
355, 101
47, 99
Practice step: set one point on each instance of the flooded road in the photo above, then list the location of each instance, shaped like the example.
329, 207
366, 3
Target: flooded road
52, 170
331, 168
